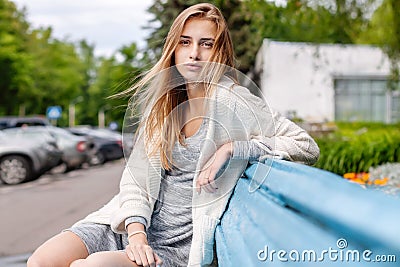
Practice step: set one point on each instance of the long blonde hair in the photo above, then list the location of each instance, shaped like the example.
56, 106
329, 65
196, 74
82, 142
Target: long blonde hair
157, 92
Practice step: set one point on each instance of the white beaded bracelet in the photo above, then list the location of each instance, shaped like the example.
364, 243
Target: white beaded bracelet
137, 232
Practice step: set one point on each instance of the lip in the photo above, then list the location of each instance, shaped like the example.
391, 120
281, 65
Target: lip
193, 66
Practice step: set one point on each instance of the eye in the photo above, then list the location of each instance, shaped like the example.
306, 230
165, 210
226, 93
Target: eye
208, 44
184, 42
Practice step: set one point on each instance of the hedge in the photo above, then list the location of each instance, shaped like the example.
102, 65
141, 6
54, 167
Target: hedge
355, 147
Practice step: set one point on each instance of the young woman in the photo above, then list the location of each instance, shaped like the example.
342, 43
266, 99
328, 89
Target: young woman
198, 131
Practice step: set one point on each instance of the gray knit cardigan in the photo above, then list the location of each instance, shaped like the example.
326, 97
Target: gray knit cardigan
235, 114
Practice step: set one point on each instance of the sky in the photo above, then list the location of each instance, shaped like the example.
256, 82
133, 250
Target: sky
108, 24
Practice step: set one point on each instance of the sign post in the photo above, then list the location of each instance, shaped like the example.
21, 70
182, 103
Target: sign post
53, 113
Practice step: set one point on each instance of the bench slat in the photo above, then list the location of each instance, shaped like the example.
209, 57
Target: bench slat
301, 208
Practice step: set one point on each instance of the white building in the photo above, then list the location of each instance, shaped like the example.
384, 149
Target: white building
327, 82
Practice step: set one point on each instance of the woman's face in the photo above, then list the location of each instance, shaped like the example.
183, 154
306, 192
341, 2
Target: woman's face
195, 46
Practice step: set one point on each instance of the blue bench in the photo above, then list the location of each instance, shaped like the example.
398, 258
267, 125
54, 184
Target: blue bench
288, 214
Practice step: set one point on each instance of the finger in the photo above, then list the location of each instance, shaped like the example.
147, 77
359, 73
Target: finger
208, 188
212, 188
201, 181
211, 181
206, 179
213, 185
143, 258
204, 182
136, 256
207, 173
158, 260
129, 253
198, 187
150, 257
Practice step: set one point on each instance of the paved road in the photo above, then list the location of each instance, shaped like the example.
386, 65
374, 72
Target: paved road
32, 212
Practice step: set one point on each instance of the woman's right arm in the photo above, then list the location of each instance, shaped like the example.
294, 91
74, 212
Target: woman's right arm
133, 196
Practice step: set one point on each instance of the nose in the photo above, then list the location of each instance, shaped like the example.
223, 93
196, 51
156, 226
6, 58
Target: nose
195, 52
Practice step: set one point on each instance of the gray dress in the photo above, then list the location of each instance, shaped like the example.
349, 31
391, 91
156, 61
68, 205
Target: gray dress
170, 231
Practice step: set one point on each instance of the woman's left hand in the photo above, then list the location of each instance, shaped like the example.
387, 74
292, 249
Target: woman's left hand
206, 178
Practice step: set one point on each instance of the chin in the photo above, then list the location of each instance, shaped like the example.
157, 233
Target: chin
190, 76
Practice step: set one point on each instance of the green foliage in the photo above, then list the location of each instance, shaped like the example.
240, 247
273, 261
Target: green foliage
15, 62
57, 72
38, 70
355, 147
113, 77
330, 21
88, 71
383, 29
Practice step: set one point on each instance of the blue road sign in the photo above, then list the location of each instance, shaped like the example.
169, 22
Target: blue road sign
53, 112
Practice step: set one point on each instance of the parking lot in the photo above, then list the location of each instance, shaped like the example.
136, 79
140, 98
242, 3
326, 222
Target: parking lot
31, 147
34, 211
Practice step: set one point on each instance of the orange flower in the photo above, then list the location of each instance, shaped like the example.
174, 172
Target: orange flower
349, 175
364, 176
382, 181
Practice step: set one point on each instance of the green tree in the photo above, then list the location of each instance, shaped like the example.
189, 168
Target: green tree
328, 21
114, 75
349, 18
384, 30
89, 61
15, 62
57, 72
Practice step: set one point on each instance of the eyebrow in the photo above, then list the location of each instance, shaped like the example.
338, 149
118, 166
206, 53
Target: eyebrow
201, 39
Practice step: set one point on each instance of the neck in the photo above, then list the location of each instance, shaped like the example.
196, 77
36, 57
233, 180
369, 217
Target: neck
194, 105
195, 90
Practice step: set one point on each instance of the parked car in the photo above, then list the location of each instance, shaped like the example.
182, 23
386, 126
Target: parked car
102, 147
126, 139
74, 148
12, 121
23, 159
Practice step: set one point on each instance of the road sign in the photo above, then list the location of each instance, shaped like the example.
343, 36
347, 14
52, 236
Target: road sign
53, 112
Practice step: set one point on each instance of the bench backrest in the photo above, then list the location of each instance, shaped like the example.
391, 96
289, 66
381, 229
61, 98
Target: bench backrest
288, 214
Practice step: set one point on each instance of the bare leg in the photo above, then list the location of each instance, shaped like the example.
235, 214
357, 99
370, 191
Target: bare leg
59, 251
105, 259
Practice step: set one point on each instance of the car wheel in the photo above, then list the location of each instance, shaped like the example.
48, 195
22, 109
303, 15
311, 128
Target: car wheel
97, 159
15, 170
